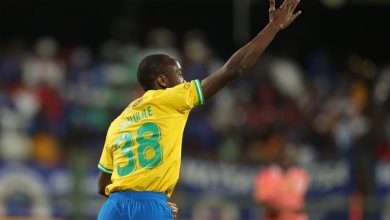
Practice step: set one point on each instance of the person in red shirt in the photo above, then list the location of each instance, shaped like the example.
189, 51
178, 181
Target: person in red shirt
281, 188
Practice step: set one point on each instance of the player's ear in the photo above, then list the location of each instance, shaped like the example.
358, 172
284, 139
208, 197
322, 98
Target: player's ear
162, 81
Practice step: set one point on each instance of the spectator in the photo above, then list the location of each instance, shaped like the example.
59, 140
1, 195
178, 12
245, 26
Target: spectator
280, 188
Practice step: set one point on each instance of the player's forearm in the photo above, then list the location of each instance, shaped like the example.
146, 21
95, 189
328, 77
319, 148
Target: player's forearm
246, 57
240, 62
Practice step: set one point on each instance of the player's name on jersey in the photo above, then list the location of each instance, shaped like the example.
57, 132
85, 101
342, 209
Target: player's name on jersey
137, 117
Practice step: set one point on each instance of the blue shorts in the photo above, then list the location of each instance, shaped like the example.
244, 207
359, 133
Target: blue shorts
130, 205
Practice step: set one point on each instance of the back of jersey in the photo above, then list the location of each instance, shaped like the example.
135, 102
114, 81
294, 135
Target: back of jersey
143, 145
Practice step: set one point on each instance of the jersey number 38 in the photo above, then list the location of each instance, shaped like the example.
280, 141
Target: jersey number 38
149, 151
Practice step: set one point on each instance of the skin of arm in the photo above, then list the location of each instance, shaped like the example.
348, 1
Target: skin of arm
244, 58
103, 181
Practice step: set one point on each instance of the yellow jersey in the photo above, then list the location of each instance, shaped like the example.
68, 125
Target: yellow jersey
142, 151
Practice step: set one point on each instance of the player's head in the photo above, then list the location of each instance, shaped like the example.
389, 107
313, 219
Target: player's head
286, 157
159, 71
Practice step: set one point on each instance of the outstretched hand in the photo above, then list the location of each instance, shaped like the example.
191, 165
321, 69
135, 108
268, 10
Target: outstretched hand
283, 16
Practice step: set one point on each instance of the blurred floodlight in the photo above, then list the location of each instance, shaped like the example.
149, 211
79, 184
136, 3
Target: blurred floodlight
288, 78
46, 47
334, 3
382, 87
14, 146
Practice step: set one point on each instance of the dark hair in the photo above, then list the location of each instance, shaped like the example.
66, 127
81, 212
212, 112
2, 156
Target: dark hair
149, 67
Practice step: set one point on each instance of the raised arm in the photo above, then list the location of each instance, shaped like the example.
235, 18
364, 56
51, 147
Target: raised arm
244, 58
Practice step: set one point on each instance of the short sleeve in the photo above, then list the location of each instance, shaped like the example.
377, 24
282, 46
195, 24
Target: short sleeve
184, 96
105, 162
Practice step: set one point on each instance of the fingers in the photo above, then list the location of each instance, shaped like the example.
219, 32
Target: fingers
171, 204
285, 4
174, 208
294, 4
290, 5
296, 15
271, 5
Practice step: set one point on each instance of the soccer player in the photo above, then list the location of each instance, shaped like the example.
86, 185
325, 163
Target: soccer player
141, 157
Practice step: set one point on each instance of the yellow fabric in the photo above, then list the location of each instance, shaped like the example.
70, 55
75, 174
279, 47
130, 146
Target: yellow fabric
143, 144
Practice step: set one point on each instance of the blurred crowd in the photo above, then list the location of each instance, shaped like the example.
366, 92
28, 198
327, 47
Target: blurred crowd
55, 98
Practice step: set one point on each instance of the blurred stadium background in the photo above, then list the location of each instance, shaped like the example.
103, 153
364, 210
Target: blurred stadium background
67, 68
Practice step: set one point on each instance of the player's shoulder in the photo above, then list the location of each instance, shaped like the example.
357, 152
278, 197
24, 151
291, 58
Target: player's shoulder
153, 95
136, 103
269, 171
182, 86
274, 168
186, 85
299, 171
